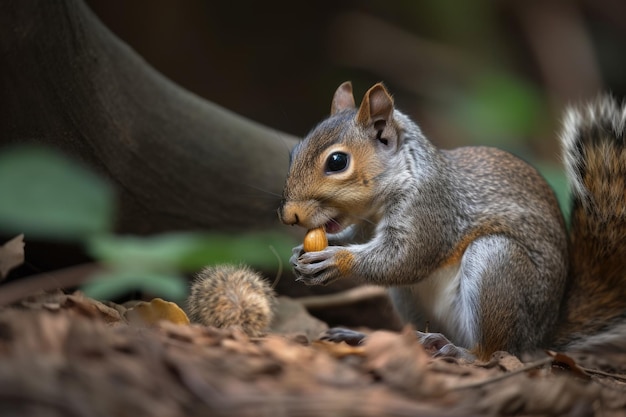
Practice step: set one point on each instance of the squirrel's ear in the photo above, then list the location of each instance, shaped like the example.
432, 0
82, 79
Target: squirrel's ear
343, 98
377, 105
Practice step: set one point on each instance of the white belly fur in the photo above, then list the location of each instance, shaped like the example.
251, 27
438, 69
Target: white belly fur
450, 303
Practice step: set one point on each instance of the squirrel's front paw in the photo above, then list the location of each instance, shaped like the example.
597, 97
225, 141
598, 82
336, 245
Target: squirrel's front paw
296, 252
323, 267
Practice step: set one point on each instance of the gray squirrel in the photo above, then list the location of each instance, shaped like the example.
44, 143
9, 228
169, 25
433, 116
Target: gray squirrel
470, 240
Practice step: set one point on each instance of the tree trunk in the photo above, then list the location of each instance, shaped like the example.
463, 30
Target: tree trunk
178, 161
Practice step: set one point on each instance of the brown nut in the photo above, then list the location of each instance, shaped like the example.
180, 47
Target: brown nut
315, 240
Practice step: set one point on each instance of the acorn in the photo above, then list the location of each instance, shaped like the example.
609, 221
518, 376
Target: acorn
315, 240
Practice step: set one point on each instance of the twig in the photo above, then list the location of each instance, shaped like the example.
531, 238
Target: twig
523, 369
350, 296
47, 281
602, 373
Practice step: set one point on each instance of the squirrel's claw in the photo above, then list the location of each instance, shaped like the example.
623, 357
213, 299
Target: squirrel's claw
316, 268
339, 334
440, 346
296, 252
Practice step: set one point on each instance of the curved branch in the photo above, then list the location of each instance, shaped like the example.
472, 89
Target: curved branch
178, 161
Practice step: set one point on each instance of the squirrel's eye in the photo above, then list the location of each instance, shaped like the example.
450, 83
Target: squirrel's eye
337, 162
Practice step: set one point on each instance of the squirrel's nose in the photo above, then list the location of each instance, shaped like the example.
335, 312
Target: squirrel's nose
288, 214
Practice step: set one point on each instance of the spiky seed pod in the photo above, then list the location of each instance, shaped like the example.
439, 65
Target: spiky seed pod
231, 296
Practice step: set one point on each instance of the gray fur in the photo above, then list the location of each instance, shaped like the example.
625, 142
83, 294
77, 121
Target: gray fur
432, 200
429, 201
470, 240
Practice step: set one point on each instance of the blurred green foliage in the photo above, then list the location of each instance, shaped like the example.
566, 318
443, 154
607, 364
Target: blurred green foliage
48, 196
499, 110
555, 176
154, 264
188, 251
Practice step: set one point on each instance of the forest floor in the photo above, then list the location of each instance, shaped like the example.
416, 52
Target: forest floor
69, 355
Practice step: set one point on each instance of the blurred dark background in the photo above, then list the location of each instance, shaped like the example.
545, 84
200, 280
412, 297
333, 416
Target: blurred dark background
480, 72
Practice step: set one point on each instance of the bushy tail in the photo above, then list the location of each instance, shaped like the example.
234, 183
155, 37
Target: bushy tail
594, 147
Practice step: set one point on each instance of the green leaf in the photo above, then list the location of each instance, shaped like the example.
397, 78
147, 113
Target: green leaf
190, 251
251, 249
47, 195
152, 253
145, 263
113, 284
170, 287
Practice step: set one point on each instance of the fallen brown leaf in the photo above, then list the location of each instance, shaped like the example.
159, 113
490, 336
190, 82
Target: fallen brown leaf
68, 355
291, 317
400, 361
151, 312
523, 395
11, 255
508, 362
75, 302
564, 361
338, 350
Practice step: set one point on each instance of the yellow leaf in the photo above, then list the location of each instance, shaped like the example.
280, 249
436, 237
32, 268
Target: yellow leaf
156, 310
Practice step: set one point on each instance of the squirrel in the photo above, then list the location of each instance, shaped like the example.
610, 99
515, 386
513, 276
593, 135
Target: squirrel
231, 296
471, 240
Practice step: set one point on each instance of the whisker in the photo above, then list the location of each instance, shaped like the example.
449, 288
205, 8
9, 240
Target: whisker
282, 139
366, 220
265, 191
284, 142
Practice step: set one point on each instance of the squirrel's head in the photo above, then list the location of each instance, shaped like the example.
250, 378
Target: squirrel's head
334, 172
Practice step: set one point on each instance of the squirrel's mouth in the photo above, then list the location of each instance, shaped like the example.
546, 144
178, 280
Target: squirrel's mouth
333, 226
